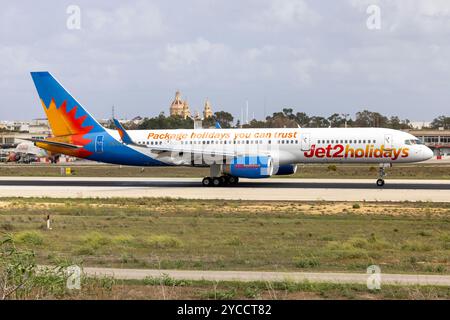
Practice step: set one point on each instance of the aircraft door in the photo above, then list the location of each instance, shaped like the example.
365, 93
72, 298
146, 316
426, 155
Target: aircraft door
388, 143
306, 142
99, 144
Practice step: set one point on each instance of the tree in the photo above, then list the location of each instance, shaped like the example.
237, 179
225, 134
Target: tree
336, 120
441, 122
368, 118
163, 122
224, 118
319, 122
396, 123
302, 119
289, 113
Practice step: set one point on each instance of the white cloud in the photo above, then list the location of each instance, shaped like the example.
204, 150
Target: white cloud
191, 54
280, 14
303, 71
129, 21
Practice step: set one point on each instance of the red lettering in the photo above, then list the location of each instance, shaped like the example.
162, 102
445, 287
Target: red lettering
328, 149
339, 150
320, 152
310, 153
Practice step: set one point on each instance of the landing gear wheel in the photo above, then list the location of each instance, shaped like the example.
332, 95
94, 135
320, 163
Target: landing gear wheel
380, 182
233, 180
217, 182
207, 182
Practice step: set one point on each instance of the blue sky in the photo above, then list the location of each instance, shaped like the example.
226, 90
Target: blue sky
314, 56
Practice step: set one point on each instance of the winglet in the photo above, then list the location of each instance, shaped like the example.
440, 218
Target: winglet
218, 126
123, 133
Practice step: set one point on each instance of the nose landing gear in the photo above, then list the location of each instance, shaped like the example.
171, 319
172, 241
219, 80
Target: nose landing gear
382, 173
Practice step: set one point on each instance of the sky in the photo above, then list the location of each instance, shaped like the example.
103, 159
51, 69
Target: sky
320, 57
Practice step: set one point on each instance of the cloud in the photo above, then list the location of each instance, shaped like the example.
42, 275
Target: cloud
130, 21
192, 54
276, 15
134, 54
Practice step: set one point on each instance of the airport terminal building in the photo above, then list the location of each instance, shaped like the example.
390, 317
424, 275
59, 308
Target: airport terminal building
437, 140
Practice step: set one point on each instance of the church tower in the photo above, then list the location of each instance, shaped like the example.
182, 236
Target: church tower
178, 108
207, 112
186, 112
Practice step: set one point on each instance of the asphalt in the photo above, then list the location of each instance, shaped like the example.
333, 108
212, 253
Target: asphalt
360, 278
191, 188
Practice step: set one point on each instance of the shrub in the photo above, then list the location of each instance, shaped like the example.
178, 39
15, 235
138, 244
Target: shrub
29, 237
163, 241
123, 239
95, 240
332, 167
7, 226
85, 250
234, 241
306, 262
414, 245
356, 206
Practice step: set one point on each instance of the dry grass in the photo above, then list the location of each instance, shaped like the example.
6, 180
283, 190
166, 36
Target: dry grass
235, 235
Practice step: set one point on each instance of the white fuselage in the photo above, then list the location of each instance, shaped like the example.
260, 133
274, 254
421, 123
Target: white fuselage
285, 145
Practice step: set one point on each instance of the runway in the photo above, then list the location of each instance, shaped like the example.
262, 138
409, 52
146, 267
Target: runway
331, 277
265, 189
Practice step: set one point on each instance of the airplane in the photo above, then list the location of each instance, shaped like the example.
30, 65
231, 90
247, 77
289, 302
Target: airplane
27, 152
229, 153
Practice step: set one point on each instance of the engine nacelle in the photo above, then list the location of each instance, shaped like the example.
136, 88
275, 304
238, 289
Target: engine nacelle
285, 170
252, 167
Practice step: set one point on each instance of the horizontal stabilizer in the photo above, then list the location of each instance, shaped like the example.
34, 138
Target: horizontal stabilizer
54, 143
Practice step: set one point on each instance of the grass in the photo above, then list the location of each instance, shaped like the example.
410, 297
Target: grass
167, 288
163, 241
408, 171
32, 238
234, 235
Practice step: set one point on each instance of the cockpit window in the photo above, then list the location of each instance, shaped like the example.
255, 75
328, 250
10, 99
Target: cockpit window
413, 141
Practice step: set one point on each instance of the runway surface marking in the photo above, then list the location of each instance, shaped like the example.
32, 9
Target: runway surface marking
140, 274
265, 189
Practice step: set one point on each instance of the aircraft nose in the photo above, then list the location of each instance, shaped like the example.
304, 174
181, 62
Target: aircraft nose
427, 153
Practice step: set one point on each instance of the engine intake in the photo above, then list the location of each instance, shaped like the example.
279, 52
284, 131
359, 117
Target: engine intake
285, 170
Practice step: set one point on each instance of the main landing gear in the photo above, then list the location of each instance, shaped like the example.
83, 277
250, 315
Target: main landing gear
220, 181
382, 173
217, 179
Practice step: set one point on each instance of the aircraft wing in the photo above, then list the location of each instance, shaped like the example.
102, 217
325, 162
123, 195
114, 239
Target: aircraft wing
125, 137
192, 150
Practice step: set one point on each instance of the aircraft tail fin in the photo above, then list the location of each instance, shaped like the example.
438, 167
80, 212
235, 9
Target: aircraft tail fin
65, 114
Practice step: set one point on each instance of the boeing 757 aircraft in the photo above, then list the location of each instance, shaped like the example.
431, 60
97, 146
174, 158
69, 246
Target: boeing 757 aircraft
230, 153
